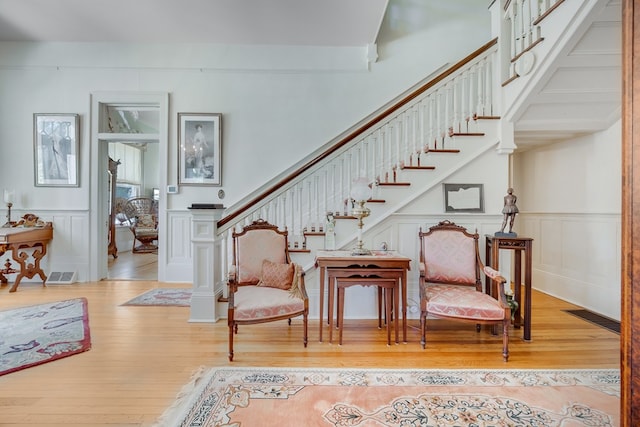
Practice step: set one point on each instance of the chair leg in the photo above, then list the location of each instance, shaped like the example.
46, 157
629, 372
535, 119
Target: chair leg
423, 329
505, 340
231, 331
305, 321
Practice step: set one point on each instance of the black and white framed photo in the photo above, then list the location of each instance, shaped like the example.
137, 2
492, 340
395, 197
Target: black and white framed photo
463, 198
56, 148
200, 149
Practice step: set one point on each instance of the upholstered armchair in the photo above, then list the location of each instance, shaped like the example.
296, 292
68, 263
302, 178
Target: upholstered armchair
450, 282
264, 285
142, 215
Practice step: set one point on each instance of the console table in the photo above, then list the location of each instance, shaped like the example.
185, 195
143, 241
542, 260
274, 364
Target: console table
518, 245
24, 242
381, 264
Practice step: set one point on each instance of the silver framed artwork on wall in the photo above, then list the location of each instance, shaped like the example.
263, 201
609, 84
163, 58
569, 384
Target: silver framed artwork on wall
200, 149
56, 146
465, 198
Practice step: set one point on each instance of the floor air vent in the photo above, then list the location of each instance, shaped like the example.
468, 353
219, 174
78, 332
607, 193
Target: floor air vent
61, 278
596, 319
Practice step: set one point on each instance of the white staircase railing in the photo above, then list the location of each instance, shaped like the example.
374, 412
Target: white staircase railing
402, 135
522, 18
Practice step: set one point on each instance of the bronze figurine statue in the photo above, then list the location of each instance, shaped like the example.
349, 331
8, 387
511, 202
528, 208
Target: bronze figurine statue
509, 211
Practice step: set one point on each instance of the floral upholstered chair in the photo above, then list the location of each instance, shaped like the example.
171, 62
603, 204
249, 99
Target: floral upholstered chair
264, 285
450, 282
142, 215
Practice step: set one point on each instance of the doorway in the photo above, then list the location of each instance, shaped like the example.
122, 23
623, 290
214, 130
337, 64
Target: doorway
137, 119
133, 177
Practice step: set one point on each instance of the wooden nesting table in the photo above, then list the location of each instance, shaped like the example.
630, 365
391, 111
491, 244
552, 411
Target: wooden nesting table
378, 265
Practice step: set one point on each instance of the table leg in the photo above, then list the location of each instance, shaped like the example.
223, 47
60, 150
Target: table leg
394, 293
331, 298
340, 315
29, 270
404, 305
517, 319
495, 264
322, 270
527, 292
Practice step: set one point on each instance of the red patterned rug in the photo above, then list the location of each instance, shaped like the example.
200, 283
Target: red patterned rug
30, 336
163, 296
355, 397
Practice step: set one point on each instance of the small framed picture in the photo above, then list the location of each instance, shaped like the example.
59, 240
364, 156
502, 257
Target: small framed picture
463, 197
200, 149
56, 149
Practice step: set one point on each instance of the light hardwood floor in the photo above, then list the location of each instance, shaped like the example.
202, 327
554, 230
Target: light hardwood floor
133, 266
142, 356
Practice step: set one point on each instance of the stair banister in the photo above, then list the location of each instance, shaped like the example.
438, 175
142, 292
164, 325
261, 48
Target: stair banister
359, 131
522, 18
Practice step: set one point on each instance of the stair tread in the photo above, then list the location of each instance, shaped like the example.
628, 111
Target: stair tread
397, 184
467, 134
442, 150
299, 250
418, 167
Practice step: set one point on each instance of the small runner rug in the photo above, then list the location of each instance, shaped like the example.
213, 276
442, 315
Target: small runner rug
163, 296
30, 336
355, 397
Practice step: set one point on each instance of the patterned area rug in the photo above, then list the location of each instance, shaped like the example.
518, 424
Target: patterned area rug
163, 296
30, 336
340, 397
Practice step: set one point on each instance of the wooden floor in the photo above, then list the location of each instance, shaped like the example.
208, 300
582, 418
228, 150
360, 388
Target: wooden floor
142, 356
133, 266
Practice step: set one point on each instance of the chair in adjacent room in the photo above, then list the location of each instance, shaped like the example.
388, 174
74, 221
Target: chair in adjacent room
264, 284
450, 282
142, 214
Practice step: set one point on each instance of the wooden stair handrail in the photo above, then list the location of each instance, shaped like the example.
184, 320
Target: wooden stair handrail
349, 137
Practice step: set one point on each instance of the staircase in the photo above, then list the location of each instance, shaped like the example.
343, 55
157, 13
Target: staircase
409, 146
403, 150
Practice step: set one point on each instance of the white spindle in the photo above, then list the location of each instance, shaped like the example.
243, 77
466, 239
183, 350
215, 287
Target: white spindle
488, 88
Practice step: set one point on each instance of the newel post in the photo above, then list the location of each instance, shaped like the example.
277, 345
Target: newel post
206, 253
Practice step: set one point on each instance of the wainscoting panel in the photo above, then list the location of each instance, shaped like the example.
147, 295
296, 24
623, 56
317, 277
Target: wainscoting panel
70, 247
179, 258
577, 258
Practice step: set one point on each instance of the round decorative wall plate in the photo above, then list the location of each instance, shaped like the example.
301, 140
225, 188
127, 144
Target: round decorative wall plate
525, 63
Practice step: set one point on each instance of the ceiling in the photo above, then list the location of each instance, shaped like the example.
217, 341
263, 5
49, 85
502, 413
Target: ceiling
269, 22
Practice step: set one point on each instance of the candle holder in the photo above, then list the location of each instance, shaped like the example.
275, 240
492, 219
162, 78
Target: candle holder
9, 223
360, 212
8, 199
360, 193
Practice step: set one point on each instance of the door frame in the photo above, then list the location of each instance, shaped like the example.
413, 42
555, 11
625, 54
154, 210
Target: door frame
98, 177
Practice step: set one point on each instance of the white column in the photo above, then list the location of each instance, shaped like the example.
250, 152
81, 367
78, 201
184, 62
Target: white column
207, 254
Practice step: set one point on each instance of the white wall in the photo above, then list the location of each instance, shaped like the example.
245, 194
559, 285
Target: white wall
278, 105
569, 199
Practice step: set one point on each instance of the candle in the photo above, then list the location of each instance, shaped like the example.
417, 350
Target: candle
8, 196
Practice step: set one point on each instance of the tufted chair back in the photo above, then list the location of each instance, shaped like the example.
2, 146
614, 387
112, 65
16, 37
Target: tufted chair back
448, 255
252, 248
